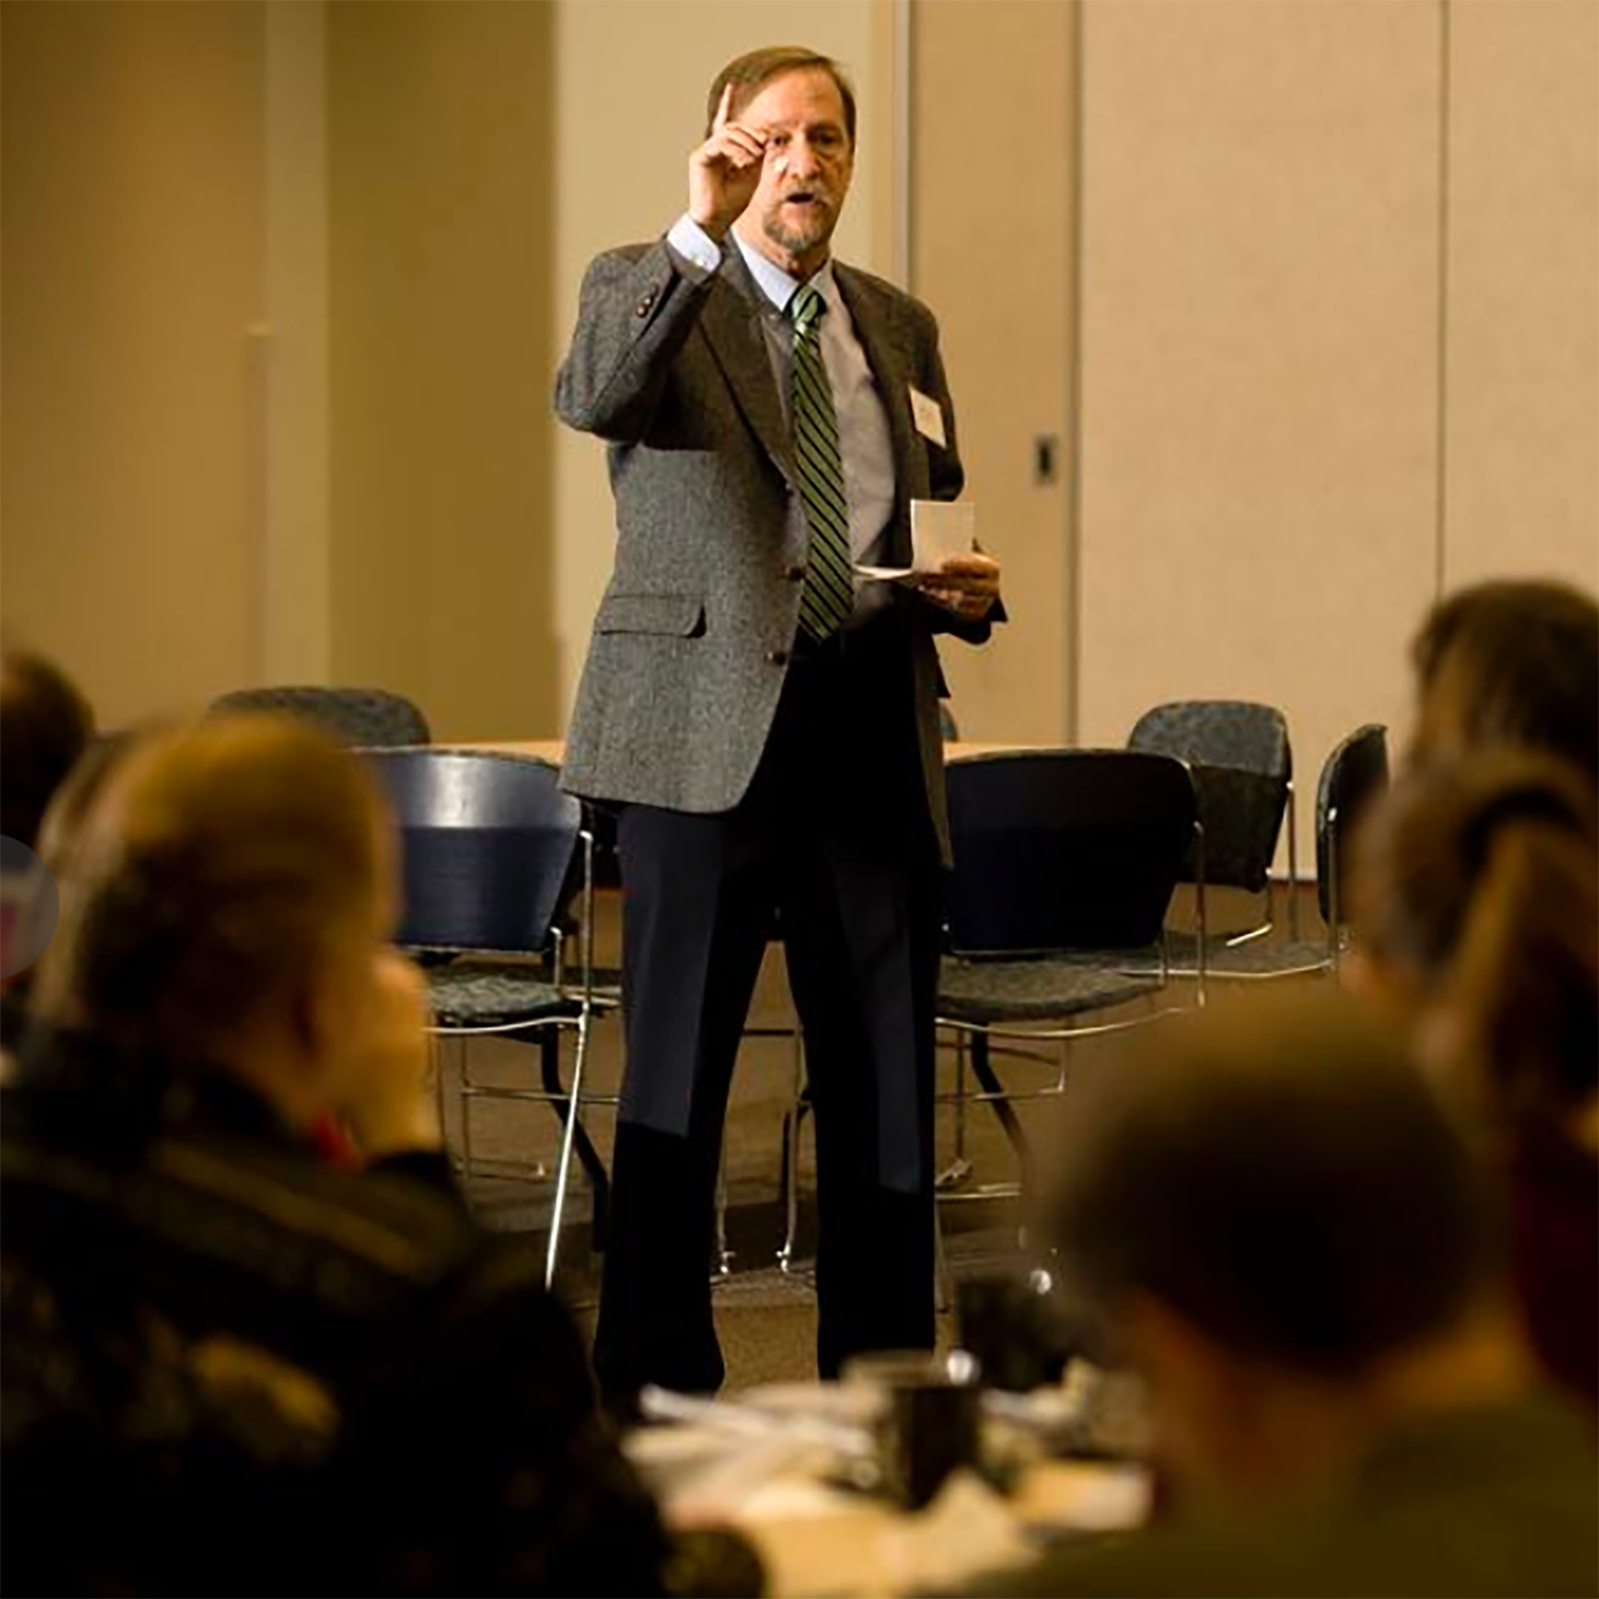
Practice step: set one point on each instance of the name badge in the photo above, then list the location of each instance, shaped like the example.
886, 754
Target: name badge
928, 416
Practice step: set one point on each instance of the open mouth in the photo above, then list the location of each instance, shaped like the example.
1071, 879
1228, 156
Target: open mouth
804, 197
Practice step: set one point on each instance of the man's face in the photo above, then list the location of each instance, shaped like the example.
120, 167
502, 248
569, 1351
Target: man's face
809, 163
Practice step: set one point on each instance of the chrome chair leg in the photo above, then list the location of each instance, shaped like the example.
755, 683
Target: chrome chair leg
943, 1278
1335, 912
563, 1173
464, 1079
792, 1118
1293, 865
723, 1266
960, 1168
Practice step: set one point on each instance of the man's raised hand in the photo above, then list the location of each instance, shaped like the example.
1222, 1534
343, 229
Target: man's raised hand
725, 171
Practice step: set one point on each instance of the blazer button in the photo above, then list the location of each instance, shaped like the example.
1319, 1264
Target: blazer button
794, 574
645, 305
777, 657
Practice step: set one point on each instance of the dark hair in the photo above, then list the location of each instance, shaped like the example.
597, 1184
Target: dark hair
1510, 662
751, 72
1478, 881
45, 723
1281, 1177
208, 877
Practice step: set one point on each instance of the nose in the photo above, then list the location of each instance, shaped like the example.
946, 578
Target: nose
803, 159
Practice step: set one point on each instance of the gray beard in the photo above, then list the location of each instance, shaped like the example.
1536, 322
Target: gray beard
795, 243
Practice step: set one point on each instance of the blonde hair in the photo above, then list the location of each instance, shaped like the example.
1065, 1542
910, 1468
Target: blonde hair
208, 875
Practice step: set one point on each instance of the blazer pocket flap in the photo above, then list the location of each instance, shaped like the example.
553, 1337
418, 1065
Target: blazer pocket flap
676, 615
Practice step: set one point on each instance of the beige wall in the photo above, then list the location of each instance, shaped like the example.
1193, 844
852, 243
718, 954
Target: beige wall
296, 578
631, 78
1260, 323
439, 161
994, 127
1522, 490
131, 393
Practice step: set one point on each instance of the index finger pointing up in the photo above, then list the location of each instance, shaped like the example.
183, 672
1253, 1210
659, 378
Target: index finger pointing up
724, 109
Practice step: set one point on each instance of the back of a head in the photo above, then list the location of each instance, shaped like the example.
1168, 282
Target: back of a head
1281, 1178
1477, 896
1510, 662
212, 868
45, 725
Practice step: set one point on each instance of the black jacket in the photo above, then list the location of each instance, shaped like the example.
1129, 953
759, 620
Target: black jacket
228, 1368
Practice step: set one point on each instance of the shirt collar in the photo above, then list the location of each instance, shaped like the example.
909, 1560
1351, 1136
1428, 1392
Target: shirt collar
778, 286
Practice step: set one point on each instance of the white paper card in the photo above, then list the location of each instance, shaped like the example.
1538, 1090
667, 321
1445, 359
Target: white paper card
928, 416
939, 529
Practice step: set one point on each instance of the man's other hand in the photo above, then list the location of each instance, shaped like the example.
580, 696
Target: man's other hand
968, 585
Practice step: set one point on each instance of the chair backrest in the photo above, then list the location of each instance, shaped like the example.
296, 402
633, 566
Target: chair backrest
370, 717
1063, 850
1239, 733
1242, 763
490, 846
1355, 772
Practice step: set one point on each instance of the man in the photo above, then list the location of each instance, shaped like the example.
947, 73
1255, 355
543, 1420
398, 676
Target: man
768, 722
1270, 1219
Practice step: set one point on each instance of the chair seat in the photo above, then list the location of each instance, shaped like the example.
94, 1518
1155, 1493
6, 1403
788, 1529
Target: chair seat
989, 992
469, 995
1258, 957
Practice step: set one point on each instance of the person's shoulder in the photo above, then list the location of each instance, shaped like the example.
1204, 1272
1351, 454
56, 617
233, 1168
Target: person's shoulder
635, 251
883, 295
392, 1215
625, 257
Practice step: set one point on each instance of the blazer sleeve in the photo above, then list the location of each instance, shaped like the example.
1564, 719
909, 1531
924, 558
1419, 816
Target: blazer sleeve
636, 309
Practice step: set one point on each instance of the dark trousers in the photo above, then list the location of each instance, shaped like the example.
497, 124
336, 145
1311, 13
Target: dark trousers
832, 846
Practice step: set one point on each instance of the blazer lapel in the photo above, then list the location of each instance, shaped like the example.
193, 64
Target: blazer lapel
891, 366
731, 322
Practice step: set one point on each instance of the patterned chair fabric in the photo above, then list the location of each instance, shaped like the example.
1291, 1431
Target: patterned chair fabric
1239, 733
374, 718
470, 994
987, 993
1242, 764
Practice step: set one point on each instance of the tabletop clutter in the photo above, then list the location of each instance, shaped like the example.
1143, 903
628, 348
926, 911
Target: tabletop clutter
916, 1468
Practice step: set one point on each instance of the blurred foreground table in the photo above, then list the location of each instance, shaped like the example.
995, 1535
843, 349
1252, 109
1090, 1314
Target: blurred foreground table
784, 1489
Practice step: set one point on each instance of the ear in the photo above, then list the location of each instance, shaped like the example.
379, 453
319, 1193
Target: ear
1387, 988
319, 1013
1203, 1396
1169, 1349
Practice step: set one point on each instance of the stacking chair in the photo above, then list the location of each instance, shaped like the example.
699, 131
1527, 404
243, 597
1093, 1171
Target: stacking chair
359, 716
493, 851
1353, 775
1065, 861
1242, 764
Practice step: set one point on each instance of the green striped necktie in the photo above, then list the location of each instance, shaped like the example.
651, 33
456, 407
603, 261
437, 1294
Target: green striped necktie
829, 593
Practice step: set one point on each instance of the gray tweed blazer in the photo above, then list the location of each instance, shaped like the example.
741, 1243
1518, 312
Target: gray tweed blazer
692, 638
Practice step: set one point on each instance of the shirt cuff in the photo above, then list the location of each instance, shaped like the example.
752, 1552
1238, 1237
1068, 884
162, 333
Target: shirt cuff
694, 244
